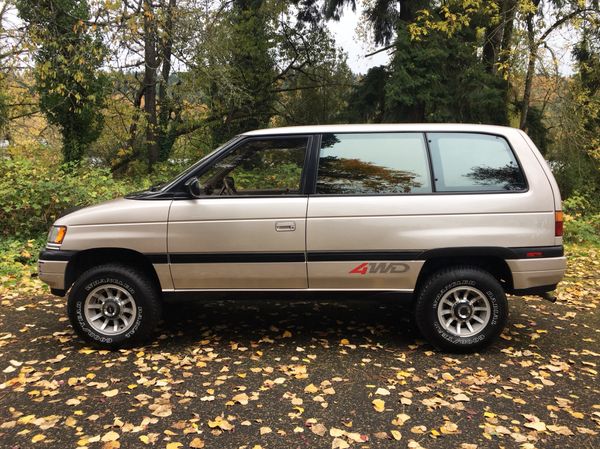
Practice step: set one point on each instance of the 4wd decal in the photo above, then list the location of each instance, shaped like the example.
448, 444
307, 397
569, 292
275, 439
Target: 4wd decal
380, 267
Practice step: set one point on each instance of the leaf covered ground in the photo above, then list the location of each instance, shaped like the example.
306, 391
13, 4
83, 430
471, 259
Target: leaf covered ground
298, 374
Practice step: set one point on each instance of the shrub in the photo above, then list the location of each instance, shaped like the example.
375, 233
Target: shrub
34, 194
581, 223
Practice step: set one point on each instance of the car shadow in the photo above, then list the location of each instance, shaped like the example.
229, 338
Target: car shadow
376, 320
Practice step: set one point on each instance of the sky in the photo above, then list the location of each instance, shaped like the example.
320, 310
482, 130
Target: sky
345, 35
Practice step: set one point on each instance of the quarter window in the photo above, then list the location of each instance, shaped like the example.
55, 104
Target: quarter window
258, 167
464, 162
373, 163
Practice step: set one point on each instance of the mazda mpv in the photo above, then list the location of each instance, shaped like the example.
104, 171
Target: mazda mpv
458, 216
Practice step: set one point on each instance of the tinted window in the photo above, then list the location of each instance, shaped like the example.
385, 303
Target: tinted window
373, 163
473, 162
258, 167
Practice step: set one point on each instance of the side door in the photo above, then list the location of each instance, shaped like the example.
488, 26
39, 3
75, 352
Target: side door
246, 229
366, 185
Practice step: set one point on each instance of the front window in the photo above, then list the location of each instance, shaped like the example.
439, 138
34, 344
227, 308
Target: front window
270, 166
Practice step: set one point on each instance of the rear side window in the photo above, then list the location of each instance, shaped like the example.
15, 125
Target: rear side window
465, 162
373, 163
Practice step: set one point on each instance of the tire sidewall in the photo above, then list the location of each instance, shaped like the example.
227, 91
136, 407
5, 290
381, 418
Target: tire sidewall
433, 294
82, 289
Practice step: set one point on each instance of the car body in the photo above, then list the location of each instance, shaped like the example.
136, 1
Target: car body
373, 208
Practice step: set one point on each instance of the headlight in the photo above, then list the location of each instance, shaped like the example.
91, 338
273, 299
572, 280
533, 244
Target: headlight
57, 234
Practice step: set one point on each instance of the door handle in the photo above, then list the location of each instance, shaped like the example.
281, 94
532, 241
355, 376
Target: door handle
285, 226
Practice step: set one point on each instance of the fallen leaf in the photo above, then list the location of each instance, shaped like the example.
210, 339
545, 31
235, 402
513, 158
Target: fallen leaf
379, 405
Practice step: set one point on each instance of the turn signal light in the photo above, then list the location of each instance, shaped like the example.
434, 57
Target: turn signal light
57, 234
558, 223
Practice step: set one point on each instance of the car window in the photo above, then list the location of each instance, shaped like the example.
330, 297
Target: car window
373, 163
258, 167
467, 162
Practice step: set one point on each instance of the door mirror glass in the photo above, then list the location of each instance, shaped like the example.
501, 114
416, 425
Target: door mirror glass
193, 187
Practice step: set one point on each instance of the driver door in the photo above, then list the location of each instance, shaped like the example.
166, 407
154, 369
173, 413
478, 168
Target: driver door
247, 229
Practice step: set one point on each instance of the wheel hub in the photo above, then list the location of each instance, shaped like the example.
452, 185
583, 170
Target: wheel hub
111, 308
463, 310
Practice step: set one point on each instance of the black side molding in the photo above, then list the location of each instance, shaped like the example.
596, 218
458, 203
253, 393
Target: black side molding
56, 255
235, 257
533, 252
538, 251
338, 256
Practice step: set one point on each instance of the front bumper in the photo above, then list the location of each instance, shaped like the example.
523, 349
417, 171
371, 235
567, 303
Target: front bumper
52, 267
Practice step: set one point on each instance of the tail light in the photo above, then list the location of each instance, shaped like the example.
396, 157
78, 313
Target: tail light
558, 223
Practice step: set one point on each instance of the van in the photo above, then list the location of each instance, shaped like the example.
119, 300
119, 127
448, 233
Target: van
457, 216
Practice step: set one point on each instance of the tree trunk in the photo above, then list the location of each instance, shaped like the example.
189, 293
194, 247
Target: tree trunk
533, 47
151, 66
165, 108
493, 41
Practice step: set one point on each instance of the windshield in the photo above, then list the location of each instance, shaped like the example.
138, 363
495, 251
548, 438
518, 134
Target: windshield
191, 168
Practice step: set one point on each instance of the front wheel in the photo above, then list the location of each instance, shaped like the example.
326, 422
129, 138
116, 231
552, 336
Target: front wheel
113, 306
461, 309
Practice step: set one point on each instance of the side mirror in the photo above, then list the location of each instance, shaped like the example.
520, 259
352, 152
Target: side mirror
193, 187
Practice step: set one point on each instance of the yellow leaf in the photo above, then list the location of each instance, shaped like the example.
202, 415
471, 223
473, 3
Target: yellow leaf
379, 405
144, 439
197, 443
396, 435
174, 445
344, 341
38, 437
110, 436
539, 425
110, 393
311, 389
111, 445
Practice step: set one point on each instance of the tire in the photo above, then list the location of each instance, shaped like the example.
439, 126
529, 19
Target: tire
122, 297
464, 295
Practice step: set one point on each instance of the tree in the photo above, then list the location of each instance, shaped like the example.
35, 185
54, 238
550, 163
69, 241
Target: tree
68, 54
436, 72
537, 34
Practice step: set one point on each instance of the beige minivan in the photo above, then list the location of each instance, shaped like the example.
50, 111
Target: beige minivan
457, 215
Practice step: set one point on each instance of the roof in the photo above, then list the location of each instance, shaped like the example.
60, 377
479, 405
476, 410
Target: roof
387, 127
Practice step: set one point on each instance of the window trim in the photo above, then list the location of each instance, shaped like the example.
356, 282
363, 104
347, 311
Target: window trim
317, 149
243, 140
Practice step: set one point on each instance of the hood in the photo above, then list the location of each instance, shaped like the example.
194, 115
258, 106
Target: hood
117, 211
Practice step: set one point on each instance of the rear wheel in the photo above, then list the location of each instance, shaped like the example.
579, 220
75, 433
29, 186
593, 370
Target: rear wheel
461, 309
113, 306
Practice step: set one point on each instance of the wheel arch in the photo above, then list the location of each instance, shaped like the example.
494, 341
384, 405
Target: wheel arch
492, 260
86, 259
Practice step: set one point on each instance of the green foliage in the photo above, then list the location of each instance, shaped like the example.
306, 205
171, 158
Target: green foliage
34, 194
437, 78
582, 219
583, 229
18, 265
68, 54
